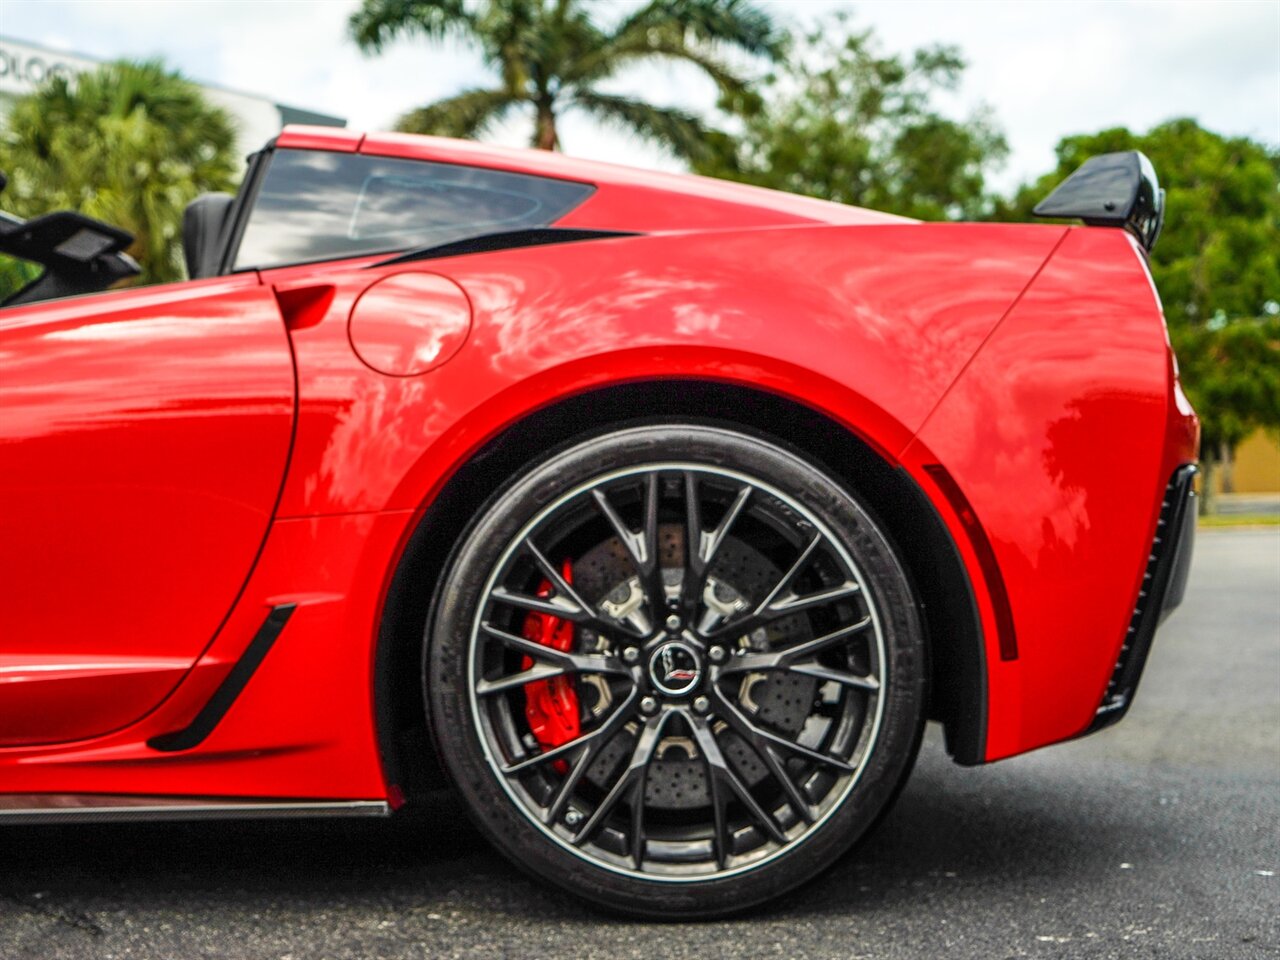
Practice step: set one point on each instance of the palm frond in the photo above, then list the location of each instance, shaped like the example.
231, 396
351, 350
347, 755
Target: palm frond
377, 22
466, 115
505, 32
551, 53
736, 23
665, 42
131, 143
682, 133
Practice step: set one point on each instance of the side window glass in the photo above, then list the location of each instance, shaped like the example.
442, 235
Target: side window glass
315, 205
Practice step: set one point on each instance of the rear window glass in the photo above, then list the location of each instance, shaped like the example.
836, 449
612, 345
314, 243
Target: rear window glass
315, 205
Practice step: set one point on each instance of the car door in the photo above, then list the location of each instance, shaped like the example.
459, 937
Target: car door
144, 436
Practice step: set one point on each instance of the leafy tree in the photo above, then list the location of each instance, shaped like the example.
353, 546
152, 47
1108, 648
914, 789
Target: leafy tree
129, 143
550, 56
1217, 266
15, 274
846, 122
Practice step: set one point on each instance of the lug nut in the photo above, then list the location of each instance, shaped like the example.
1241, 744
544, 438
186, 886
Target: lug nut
631, 655
648, 705
673, 623
717, 655
701, 705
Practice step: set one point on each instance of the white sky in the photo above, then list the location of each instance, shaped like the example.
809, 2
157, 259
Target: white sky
1046, 68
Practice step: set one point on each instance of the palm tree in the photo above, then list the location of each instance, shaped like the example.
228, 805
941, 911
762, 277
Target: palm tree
130, 143
551, 56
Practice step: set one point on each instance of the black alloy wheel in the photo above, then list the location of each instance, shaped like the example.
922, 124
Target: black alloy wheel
675, 669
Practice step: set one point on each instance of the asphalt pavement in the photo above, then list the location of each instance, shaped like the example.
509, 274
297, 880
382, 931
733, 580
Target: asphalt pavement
1157, 838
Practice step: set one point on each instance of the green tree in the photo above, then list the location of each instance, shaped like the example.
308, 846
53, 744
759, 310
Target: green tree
550, 56
129, 143
1216, 265
846, 122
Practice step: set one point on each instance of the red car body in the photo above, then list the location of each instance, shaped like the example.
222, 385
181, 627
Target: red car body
178, 460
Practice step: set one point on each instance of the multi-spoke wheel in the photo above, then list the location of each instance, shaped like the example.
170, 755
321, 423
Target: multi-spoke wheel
676, 669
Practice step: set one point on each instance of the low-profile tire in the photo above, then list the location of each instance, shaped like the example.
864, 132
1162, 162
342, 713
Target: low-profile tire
671, 732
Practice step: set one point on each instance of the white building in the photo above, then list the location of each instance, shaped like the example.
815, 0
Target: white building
24, 66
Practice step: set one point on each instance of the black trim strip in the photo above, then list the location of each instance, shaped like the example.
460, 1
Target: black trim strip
506, 240
958, 663
232, 684
80, 808
1006, 635
242, 206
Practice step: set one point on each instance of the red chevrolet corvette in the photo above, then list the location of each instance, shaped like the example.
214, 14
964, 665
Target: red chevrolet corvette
654, 514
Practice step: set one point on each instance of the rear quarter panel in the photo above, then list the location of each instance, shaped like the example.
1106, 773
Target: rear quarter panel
1056, 432
870, 324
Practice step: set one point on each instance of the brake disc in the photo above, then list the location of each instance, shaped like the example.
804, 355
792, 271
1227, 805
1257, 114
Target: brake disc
740, 577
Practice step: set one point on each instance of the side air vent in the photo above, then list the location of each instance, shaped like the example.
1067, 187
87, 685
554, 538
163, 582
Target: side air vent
1163, 584
232, 684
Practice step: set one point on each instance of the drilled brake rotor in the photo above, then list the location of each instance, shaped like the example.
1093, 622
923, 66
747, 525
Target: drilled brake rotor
781, 701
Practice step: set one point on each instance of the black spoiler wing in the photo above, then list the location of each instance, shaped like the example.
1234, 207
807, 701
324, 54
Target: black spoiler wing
1111, 190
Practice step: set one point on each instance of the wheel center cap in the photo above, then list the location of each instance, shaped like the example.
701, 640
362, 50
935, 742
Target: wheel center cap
675, 668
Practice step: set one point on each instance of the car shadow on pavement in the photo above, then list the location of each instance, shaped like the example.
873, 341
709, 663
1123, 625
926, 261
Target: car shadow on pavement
952, 828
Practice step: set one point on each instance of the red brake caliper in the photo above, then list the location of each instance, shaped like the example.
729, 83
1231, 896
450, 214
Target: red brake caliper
551, 705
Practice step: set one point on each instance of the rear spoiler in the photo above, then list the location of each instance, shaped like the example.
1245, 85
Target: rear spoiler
1111, 190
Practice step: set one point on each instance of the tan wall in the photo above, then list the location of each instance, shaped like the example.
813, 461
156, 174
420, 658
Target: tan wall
1257, 468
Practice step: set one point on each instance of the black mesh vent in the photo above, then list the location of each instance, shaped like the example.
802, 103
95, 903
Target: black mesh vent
1171, 536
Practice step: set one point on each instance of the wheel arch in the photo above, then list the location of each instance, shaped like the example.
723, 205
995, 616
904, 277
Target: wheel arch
953, 630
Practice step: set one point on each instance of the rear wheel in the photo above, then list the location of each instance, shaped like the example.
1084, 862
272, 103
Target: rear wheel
676, 670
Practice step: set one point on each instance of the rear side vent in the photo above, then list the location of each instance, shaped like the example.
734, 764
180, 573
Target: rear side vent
1163, 584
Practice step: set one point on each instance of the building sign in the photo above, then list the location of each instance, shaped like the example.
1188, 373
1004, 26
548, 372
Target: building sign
25, 66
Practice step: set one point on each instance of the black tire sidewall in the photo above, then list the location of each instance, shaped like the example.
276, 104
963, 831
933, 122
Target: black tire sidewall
448, 646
